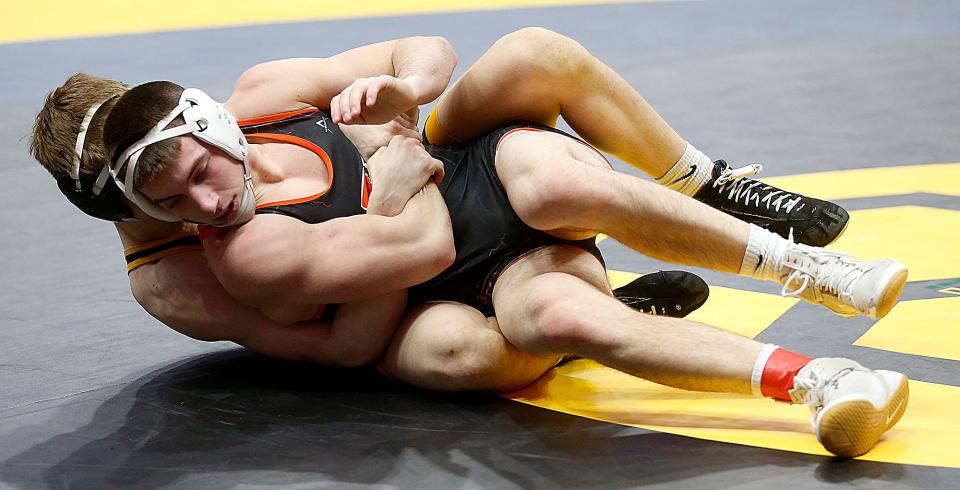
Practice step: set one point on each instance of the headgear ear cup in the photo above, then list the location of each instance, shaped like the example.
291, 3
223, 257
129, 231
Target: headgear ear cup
106, 203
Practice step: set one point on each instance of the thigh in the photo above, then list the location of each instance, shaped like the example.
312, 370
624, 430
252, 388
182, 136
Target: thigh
551, 178
546, 299
503, 86
453, 347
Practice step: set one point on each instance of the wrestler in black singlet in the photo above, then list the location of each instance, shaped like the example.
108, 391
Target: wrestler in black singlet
488, 234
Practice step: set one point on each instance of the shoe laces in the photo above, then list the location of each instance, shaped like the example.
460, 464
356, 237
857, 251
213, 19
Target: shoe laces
809, 390
827, 272
632, 300
733, 181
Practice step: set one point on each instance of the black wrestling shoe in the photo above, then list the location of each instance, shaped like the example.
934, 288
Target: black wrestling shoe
810, 221
668, 293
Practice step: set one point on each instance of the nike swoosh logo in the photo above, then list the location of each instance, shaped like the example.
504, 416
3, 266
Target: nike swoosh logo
759, 262
693, 168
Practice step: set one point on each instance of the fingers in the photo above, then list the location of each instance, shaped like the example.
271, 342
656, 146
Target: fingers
437, 170
340, 108
410, 117
347, 107
358, 90
373, 90
335, 109
397, 140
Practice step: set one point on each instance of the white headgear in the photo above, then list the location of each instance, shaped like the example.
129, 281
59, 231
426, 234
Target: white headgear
205, 119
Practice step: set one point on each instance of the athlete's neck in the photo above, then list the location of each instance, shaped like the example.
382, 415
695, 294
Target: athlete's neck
284, 171
264, 168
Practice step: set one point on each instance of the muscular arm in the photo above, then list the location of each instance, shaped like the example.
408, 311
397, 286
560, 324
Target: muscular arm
180, 291
275, 259
425, 63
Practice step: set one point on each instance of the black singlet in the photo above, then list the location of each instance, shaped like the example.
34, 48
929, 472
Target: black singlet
488, 234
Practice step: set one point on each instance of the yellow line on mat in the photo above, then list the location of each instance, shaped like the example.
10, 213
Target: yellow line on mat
59, 19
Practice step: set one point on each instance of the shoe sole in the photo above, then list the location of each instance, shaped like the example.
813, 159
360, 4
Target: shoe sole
850, 429
891, 293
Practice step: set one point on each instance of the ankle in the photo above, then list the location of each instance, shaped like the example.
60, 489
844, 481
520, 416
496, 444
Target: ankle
689, 174
774, 372
764, 255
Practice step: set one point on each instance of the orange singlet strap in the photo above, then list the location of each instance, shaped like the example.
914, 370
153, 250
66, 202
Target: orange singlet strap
280, 116
296, 140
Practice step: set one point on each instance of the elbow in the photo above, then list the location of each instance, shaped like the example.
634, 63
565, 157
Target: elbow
443, 249
450, 54
148, 298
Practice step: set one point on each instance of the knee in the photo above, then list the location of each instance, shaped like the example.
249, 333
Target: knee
454, 358
548, 199
464, 357
559, 324
542, 52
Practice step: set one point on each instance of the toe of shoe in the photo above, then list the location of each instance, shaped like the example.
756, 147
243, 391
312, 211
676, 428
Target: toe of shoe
853, 426
826, 227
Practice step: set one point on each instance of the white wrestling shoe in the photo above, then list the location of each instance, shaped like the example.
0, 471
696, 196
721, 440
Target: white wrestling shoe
852, 406
843, 284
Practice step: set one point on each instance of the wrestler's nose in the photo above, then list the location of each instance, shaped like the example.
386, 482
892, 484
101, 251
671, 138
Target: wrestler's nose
206, 200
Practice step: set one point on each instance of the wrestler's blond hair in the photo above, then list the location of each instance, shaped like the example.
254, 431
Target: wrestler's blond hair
55, 129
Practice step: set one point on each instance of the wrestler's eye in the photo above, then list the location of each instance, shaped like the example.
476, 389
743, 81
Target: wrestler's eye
170, 203
198, 176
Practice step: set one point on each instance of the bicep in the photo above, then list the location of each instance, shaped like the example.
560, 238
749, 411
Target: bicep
289, 84
276, 258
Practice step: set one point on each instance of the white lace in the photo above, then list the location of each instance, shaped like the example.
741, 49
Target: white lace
809, 390
627, 300
732, 181
830, 272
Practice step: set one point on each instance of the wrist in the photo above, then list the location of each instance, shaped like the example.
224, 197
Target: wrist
423, 88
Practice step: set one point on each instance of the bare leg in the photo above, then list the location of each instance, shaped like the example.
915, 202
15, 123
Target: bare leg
450, 346
557, 184
537, 75
564, 187
534, 304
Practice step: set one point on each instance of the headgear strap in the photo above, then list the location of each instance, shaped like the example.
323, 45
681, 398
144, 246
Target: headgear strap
110, 206
205, 119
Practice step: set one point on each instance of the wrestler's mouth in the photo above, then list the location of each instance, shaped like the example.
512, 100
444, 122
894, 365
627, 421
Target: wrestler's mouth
229, 214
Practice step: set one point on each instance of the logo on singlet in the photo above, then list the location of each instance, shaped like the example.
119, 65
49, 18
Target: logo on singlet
323, 124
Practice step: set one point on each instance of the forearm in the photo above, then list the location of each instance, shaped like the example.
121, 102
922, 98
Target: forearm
426, 63
425, 213
362, 330
181, 292
200, 308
